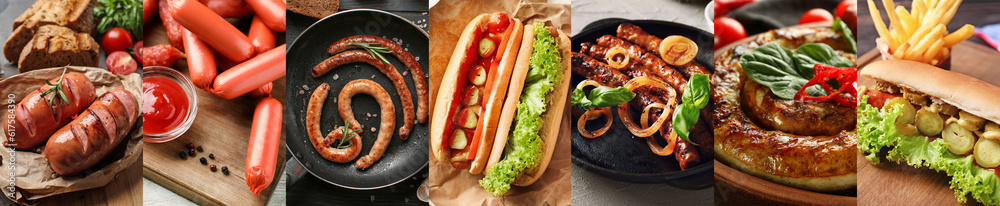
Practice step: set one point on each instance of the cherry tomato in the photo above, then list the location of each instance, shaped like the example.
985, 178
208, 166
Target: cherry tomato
843, 6
816, 15
138, 49
723, 7
498, 22
116, 39
121, 63
728, 30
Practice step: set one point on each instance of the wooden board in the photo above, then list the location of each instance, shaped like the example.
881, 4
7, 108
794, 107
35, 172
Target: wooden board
125, 190
222, 127
900, 184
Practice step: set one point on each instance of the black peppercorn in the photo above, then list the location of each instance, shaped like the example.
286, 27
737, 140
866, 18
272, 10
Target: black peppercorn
204, 161
200, 150
225, 170
212, 168
182, 154
211, 156
191, 152
190, 145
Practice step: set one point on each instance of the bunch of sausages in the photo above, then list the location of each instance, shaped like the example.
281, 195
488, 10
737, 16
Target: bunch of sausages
199, 29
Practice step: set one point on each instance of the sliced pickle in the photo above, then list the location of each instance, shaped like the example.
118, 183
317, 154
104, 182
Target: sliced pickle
472, 96
928, 122
478, 76
486, 47
458, 139
987, 153
469, 118
970, 121
960, 140
991, 131
906, 117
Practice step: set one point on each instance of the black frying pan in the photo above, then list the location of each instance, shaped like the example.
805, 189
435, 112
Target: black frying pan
620, 155
401, 159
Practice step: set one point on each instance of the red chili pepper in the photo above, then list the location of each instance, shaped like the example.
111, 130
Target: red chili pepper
844, 76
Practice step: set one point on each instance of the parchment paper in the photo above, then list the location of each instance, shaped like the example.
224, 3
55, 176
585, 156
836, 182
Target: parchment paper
31, 172
449, 186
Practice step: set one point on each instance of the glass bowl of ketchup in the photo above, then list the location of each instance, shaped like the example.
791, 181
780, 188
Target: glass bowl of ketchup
169, 104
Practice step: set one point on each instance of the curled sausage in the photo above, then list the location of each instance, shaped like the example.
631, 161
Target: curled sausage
411, 63
321, 144
364, 86
387, 69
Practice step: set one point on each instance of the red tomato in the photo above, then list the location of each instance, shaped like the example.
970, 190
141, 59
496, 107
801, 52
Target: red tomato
843, 6
723, 7
121, 63
116, 39
816, 15
138, 49
728, 30
498, 22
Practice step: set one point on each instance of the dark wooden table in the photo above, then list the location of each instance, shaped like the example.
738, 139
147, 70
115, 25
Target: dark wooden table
311, 190
976, 12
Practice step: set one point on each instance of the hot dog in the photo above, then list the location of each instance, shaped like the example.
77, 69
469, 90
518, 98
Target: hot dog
265, 137
214, 30
250, 75
272, 12
82, 143
262, 38
263, 91
35, 119
472, 90
200, 61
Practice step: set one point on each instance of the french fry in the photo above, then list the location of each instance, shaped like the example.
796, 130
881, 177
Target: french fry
918, 10
907, 22
879, 24
959, 35
933, 50
889, 5
900, 52
927, 40
951, 11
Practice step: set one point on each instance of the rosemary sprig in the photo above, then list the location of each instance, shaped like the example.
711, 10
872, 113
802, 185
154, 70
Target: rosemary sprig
57, 89
350, 135
374, 49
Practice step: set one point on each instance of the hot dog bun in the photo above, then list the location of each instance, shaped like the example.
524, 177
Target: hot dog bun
555, 104
493, 97
967, 93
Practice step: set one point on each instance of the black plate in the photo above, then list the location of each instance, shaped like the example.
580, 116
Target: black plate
618, 154
401, 159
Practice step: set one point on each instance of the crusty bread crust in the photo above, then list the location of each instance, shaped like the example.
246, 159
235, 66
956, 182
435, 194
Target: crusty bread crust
46, 51
314, 8
967, 93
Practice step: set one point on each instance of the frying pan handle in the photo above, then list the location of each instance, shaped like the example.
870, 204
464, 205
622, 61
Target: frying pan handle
294, 170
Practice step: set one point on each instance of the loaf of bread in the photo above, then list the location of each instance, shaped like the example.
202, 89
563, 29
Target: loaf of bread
44, 51
27, 31
314, 8
77, 15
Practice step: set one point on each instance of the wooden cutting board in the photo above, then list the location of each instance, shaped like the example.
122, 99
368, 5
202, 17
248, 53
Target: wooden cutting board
222, 128
900, 184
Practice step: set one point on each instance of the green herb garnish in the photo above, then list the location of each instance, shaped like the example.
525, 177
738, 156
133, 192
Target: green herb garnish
350, 134
840, 26
785, 71
374, 49
602, 96
126, 14
695, 98
57, 89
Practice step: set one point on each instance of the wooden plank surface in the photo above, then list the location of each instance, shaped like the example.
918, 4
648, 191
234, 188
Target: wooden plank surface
222, 128
900, 184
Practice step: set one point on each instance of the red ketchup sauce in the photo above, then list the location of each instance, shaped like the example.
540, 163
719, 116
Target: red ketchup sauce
164, 105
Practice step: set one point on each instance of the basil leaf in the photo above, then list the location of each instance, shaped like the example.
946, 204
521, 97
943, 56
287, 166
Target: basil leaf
773, 66
604, 96
696, 92
579, 99
841, 27
808, 55
685, 116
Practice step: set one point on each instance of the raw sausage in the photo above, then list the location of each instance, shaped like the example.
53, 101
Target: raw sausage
419, 80
200, 61
321, 144
229, 8
364, 86
82, 143
387, 69
265, 137
35, 120
214, 30
251, 74
272, 12
262, 38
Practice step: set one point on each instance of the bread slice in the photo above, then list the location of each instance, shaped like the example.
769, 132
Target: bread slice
27, 31
314, 8
46, 51
73, 14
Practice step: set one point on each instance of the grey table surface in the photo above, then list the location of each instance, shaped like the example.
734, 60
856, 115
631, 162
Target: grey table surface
592, 189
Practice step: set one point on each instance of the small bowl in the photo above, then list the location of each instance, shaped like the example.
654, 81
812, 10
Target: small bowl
192, 103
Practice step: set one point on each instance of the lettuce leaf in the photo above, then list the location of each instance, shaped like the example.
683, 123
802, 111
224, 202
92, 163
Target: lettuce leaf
876, 130
524, 148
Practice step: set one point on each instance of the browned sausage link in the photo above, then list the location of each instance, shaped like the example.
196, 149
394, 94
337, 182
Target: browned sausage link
90, 137
387, 69
321, 144
633, 51
364, 86
686, 154
641, 66
692, 68
419, 80
605, 75
636, 35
